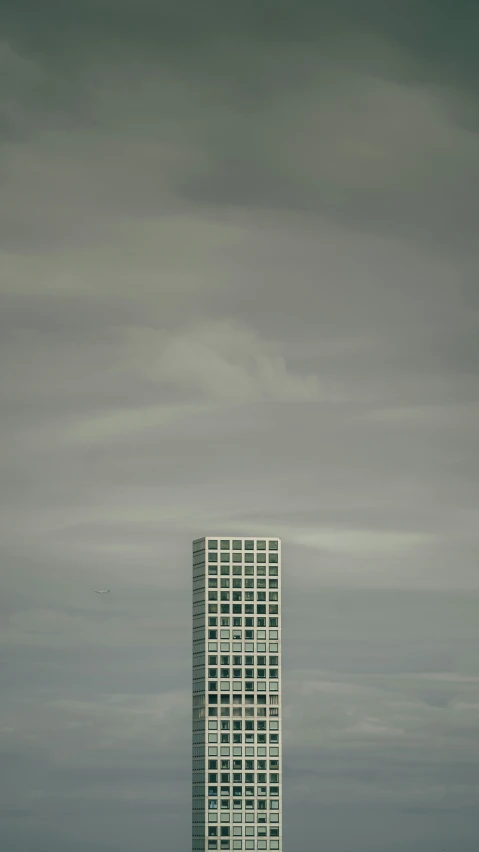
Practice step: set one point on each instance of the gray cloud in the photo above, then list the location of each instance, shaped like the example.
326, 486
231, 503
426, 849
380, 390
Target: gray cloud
238, 292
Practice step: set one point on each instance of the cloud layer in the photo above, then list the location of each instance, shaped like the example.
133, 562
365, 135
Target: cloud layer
239, 293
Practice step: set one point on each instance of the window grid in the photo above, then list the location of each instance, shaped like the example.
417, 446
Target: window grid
244, 580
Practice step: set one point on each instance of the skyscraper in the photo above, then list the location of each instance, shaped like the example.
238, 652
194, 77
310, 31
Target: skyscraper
237, 786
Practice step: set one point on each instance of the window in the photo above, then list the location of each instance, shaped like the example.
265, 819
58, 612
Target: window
273, 545
236, 544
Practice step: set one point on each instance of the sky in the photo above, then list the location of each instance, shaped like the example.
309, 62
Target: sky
238, 276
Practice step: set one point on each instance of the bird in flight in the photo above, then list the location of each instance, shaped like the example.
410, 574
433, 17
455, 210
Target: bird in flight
101, 591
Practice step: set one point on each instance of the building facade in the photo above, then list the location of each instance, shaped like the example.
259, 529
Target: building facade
237, 783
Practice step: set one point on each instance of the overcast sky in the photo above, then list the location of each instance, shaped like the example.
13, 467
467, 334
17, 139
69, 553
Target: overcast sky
239, 294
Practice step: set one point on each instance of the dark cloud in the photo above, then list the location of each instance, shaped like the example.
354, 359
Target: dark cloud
239, 293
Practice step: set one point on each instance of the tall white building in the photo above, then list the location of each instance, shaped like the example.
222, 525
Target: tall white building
237, 789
